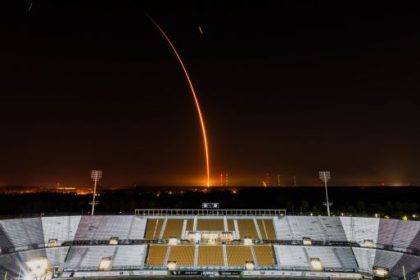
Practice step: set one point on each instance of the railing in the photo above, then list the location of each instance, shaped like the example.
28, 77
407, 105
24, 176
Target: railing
210, 212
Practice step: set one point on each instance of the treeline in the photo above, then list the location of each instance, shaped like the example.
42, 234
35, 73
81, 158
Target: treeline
392, 202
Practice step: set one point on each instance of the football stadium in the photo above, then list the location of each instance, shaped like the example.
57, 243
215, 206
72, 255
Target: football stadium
179, 243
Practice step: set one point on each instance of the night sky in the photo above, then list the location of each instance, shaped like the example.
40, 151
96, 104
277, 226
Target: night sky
290, 88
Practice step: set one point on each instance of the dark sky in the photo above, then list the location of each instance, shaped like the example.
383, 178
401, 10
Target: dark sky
286, 87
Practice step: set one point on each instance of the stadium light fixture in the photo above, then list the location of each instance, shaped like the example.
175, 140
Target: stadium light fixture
171, 265
307, 241
38, 267
316, 264
380, 272
173, 241
325, 176
247, 241
96, 176
249, 265
368, 243
105, 263
52, 243
113, 241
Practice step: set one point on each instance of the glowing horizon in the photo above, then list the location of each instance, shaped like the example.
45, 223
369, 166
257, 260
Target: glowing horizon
193, 92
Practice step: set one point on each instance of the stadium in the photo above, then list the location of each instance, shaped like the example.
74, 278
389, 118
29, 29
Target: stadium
248, 243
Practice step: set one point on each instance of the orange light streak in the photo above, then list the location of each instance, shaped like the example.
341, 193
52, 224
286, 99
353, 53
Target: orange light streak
197, 103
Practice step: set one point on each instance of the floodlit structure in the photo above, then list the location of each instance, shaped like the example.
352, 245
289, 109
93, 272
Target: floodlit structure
96, 176
212, 242
325, 176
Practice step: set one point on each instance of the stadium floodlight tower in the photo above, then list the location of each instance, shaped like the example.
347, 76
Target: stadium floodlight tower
96, 176
325, 176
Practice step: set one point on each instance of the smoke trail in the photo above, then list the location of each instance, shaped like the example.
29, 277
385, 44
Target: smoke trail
197, 103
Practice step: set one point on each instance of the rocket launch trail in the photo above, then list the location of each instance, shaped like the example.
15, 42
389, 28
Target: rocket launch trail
194, 94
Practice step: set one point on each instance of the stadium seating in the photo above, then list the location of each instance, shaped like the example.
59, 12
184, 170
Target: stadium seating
415, 244
182, 254
289, 257
56, 256
153, 228
316, 228
190, 225
267, 229
10, 264
405, 233
210, 256
210, 225
84, 257
239, 255
62, 228
156, 255
360, 229
173, 228
81, 242
411, 266
247, 229
386, 231
22, 232
365, 258
129, 256
231, 224
264, 255
387, 259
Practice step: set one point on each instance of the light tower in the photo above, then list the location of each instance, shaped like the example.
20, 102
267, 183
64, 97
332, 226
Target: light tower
325, 176
96, 176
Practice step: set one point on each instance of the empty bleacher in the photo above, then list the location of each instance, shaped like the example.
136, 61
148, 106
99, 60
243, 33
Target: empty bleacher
10, 264
264, 255
291, 257
386, 231
333, 228
83, 257
156, 255
267, 229
415, 244
129, 256
405, 234
411, 266
231, 224
190, 225
182, 254
387, 259
360, 229
62, 228
316, 228
247, 229
25, 256
239, 255
333, 257
56, 256
137, 228
153, 228
5, 241
365, 258
210, 225
325, 254
173, 228
337, 258
210, 256
22, 232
